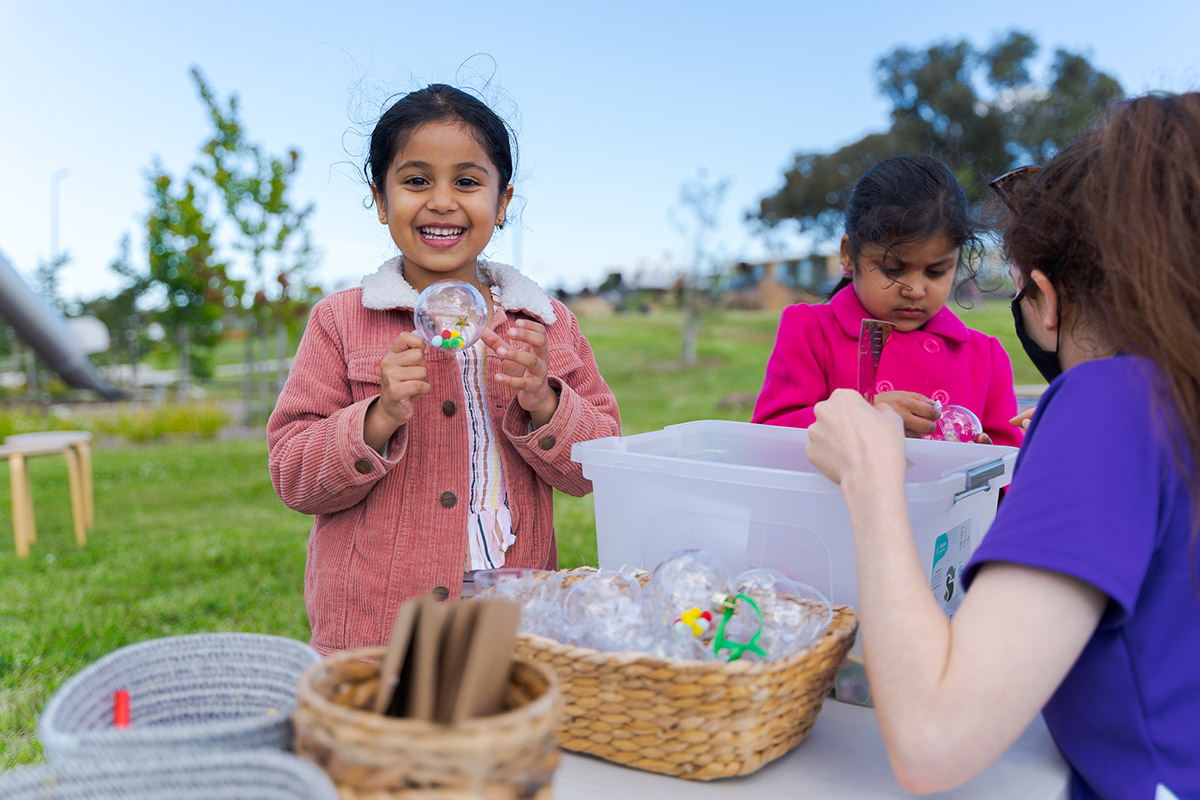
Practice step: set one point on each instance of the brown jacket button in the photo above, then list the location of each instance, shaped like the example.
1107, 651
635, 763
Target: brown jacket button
363, 466
448, 499
448, 408
440, 593
546, 442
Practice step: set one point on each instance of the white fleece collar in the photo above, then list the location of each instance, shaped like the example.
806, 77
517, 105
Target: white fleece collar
386, 288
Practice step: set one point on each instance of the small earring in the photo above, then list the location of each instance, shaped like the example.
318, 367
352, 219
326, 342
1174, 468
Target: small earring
500, 222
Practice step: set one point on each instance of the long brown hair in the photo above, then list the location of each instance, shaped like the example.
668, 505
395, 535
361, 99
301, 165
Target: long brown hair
1114, 222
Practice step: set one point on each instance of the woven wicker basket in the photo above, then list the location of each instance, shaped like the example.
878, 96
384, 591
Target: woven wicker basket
251, 775
692, 719
370, 756
203, 691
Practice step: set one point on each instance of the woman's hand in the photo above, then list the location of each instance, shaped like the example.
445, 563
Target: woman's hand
525, 368
402, 377
1023, 419
917, 411
853, 442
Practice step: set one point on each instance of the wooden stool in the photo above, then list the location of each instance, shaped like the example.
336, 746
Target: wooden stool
75, 447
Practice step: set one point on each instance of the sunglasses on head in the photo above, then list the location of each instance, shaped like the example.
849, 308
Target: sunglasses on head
1011, 185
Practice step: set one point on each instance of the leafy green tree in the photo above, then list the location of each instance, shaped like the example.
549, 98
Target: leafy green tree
183, 261
980, 111
46, 280
697, 218
124, 313
270, 230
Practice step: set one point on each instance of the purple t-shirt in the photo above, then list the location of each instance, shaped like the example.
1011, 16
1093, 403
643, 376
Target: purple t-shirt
1097, 494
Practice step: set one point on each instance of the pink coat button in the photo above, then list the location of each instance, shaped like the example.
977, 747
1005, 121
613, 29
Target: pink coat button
940, 395
883, 386
931, 345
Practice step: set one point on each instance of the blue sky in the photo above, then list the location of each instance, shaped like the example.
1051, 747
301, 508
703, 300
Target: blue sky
616, 104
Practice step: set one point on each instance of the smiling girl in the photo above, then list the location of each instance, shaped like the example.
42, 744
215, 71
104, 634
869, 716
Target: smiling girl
907, 234
424, 465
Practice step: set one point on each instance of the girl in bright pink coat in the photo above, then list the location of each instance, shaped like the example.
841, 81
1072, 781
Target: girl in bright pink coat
907, 228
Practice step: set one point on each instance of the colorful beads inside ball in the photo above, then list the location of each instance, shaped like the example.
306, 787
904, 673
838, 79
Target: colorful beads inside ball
694, 622
450, 315
957, 424
452, 342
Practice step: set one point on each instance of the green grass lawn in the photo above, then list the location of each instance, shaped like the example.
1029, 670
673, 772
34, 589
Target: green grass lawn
190, 536
994, 317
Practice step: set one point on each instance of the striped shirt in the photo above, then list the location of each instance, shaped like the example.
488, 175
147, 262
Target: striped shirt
489, 522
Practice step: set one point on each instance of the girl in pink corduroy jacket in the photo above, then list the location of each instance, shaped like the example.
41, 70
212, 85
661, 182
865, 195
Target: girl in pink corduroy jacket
421, 465
907, 235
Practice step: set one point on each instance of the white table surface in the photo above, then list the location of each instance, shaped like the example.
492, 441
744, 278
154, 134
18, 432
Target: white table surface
843, 757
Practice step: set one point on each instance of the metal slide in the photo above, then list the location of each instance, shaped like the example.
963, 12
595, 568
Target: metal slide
45, 330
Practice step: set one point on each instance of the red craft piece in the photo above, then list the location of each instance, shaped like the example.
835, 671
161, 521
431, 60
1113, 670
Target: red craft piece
121, 709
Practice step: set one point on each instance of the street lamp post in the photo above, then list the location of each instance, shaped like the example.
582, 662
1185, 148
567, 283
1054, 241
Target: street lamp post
31, 362
54, 181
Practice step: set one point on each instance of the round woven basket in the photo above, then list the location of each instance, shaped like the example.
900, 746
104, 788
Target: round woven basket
204, 691
370, 756
692, 719
250, 775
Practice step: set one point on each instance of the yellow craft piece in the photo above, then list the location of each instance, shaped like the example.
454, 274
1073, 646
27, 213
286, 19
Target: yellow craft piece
689, 618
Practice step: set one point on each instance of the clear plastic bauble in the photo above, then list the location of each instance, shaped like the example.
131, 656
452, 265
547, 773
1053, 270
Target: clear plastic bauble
957, 424
794, 614
598, 609
537, 591
450, 315
681, 589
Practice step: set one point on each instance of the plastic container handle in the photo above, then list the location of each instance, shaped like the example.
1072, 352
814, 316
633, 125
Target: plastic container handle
979, 479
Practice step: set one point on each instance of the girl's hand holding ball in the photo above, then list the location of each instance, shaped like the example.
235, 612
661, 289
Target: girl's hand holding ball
525, 368
916, 410
402, 378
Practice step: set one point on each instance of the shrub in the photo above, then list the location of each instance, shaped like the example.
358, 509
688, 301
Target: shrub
133, 423
201, 420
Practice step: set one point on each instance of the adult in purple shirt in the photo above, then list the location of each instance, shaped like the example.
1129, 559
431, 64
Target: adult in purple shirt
1084, 596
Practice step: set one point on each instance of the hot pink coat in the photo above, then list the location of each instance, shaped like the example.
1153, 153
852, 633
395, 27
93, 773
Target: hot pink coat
816, 351
389, 527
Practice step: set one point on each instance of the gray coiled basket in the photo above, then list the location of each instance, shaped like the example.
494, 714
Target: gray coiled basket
251, 775
204, 691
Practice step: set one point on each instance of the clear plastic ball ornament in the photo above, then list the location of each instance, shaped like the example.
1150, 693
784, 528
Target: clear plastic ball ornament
537, 591
598, 610
450, 315
957, 424
686, 580
794, 614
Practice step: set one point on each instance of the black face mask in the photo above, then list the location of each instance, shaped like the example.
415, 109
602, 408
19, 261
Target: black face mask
1045, 361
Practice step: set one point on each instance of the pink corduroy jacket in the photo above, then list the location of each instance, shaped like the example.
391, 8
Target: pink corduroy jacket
816, 351
390, 527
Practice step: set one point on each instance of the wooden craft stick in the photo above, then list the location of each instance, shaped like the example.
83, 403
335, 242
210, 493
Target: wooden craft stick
427, 639
393, 659
456, 643
489, 659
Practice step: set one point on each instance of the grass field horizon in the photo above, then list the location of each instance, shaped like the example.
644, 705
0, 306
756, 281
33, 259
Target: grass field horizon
190, 537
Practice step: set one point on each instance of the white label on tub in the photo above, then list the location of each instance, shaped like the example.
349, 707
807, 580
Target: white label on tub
950, 553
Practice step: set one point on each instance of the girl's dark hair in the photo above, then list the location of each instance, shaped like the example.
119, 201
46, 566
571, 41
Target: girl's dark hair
437, 103
904, 200
1114, 222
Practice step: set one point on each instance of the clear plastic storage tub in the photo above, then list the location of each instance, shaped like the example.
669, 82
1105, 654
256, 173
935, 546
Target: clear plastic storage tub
748, 494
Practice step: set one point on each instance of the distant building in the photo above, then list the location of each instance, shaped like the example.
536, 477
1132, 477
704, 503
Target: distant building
647, 285
587, 303
774, 283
